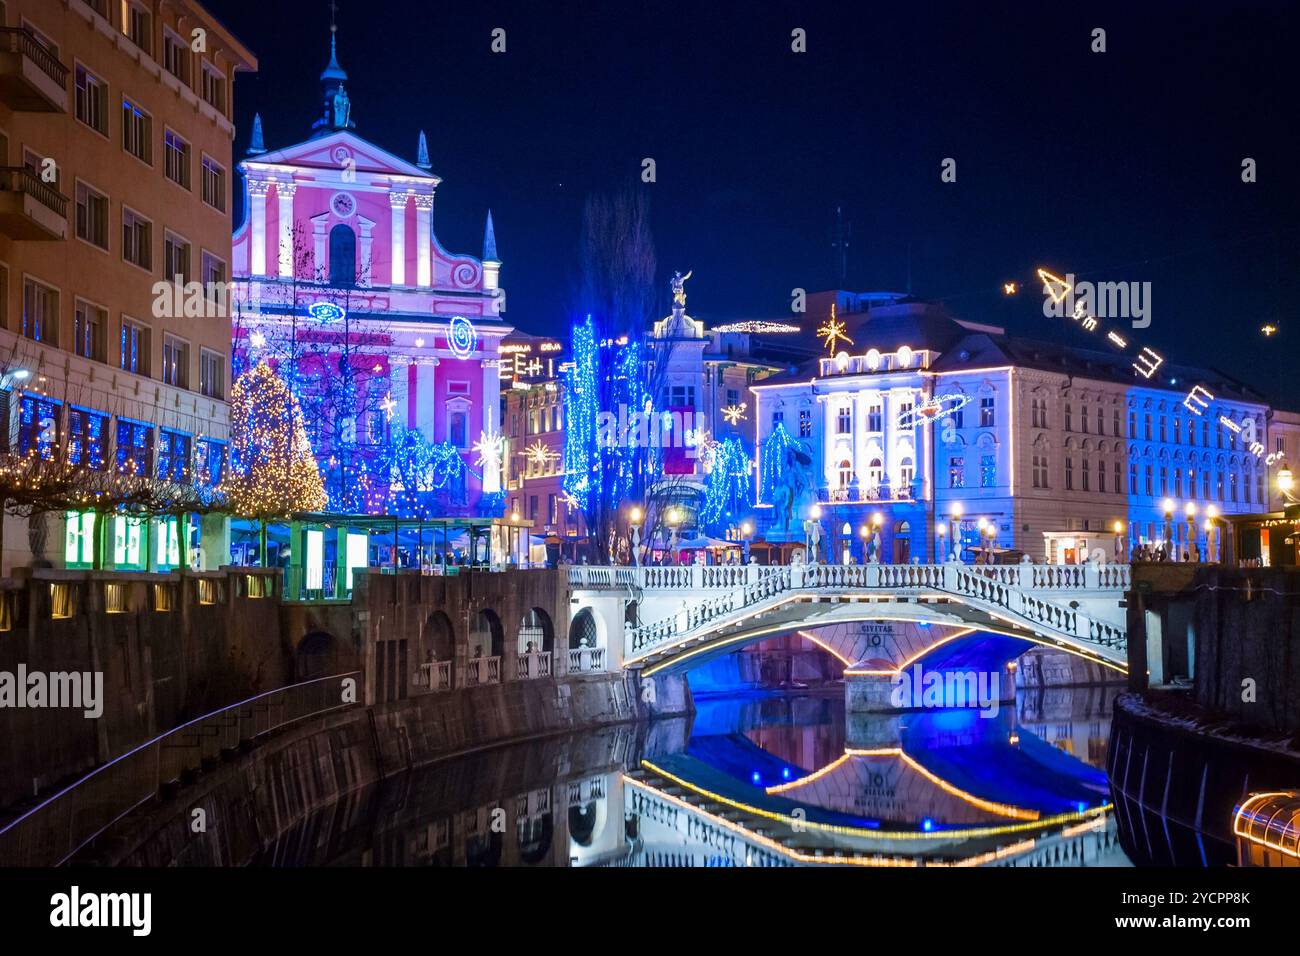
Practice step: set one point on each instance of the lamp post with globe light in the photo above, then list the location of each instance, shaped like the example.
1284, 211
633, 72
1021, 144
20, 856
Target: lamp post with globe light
1119, 539
941, 530
1190, 510
1168, 507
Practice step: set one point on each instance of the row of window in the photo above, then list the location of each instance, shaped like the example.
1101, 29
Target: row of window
988, 474
1248, 487
875, 417
138, 448
1210, 432
138, 139
92, 226
178, 57
90, 332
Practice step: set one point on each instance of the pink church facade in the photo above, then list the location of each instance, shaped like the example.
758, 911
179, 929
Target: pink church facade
340, 283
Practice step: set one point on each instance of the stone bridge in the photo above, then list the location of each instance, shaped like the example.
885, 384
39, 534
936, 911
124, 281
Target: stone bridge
678, 617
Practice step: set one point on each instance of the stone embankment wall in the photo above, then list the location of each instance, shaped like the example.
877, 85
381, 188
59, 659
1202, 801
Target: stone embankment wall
248, 803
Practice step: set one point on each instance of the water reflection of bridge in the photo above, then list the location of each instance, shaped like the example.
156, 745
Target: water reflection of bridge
759, 782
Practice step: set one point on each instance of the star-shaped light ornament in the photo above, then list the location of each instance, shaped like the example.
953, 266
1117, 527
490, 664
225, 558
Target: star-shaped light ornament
832, 331
735, 414
488, 450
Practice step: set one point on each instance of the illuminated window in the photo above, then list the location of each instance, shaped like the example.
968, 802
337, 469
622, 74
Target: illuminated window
134, 447
87, 438
89, 328
38, 426
956, 472
137, 132
988, 471
134, 355
844, 421
987, 419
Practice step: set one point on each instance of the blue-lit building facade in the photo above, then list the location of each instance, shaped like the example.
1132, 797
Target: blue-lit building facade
921, 434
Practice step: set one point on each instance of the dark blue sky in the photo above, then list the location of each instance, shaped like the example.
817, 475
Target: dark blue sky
1119, 166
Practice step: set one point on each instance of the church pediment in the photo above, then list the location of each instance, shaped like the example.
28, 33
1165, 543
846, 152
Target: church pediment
336, 150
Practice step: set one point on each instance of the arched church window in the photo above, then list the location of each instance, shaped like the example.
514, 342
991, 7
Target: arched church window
343, 256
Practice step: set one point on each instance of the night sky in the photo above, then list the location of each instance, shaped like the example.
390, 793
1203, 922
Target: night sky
1122, 166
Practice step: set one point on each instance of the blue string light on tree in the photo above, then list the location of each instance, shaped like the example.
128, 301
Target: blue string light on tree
582, 473
728, 488
461, 337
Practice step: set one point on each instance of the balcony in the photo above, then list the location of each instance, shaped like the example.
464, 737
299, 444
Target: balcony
30, 208
32, 80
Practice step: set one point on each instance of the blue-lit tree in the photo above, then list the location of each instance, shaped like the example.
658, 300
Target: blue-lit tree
785, 475
615, 369
727, 491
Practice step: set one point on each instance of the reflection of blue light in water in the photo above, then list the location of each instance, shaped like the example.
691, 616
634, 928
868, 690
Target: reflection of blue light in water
785, 773
1082, 806
927, 824
756, 777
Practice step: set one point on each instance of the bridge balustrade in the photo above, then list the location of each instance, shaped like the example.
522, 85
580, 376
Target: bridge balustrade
1045, 577
1010, 588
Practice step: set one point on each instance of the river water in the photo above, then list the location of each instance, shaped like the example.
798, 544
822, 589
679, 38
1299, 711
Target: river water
773, 780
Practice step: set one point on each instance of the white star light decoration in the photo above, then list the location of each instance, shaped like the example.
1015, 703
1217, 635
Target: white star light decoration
388, 405
735, 414
539, 454
489, 449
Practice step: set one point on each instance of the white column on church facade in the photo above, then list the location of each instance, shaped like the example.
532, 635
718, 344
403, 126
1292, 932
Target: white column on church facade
284, 205
398, 240
491, 412
424, 236
257, 190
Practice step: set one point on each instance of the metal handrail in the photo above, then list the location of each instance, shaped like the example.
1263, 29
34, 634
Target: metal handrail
57, 828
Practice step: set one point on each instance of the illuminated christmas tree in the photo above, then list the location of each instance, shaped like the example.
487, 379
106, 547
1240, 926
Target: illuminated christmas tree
273, 472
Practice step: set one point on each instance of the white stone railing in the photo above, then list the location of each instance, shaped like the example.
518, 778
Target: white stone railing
1037, 577
483, 670
586, 659
994, 589
536, 664
435, 675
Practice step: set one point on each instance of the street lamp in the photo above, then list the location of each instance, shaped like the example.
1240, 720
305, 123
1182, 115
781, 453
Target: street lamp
941, 530
877, 520
1168, 506
1285, 484
1190, 510
635, 517
1119, 537
746, 529
864, 532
